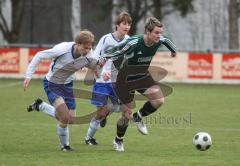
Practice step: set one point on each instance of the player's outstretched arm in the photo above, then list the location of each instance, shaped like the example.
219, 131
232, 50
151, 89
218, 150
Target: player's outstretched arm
170, 45
26, 83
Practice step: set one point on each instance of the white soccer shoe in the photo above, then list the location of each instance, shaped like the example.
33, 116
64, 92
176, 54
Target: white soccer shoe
142, 128
118, 145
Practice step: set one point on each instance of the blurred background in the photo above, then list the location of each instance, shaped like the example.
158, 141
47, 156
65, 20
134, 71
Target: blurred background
204, 76
193, 24
206, 32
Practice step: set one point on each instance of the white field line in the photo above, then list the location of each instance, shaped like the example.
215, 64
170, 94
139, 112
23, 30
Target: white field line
10, 84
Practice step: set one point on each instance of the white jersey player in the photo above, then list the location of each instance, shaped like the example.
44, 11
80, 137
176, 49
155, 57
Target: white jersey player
104, 86
67, 58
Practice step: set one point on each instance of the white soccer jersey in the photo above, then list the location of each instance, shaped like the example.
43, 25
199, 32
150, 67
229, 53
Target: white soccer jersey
107, 42
63, 64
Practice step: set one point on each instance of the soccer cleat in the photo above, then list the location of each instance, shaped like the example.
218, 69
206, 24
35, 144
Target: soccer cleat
142, 128
91, 141
118, 145
34, 105
66, 148
103, 122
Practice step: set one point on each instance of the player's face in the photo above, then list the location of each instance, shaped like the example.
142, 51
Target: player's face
123, 28
83, 49
154, 36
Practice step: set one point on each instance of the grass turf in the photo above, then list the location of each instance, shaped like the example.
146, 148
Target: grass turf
31, 139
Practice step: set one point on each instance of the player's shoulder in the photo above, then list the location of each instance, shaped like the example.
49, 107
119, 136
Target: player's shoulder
105, 38
134, 39
164, 37
90, 54
126, 36
64, 47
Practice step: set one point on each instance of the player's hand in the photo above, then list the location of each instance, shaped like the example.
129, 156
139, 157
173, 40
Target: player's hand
96, 73
26, 83
101, 62
106, 76
173, 54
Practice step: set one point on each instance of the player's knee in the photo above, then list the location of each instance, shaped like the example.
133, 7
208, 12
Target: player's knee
71, 119
62, 125
158, 102
127, 116
65, 119
102, 113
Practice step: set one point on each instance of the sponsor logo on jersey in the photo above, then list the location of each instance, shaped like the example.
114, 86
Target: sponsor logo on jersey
145, 59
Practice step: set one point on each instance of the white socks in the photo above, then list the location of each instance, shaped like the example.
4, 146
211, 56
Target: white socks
47, 109
93, 126
63, 134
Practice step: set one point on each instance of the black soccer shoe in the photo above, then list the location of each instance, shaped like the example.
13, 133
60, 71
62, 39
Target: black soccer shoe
34, 105
66, 148
103, 122
91, 142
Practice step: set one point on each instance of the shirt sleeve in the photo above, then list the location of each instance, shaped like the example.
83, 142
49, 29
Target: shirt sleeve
121, 50
99, 48
45, 54
92, 60
168, 43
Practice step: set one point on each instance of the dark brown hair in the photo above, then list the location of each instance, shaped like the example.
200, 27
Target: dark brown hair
123, 17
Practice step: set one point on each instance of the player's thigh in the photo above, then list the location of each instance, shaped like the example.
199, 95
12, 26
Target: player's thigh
60, 106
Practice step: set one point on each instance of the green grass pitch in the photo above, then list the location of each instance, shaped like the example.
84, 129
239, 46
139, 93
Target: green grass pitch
30, 138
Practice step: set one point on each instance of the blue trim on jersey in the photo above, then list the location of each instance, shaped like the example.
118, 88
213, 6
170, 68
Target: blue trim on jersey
55, 60
54, 63
104, 39
72, 51
102, 92
65, 91
88, 59
116, 38
103, 44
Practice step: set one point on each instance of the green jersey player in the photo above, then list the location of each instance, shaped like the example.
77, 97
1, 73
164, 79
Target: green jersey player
132, 59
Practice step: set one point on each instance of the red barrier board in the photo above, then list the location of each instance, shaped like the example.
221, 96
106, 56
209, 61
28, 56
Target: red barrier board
231, 66
200, 65
9, 60
43, 66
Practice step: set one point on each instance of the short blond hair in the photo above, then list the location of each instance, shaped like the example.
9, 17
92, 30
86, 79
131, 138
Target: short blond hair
151, 23
84, 37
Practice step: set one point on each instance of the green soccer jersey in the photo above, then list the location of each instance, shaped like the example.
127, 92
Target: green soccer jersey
133, 57
137, 52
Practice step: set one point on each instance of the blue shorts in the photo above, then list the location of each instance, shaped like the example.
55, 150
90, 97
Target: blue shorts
102, 92
65, 91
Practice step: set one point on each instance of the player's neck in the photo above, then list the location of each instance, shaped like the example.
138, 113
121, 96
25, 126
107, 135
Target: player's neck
147, 41
75, 54
118, 35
